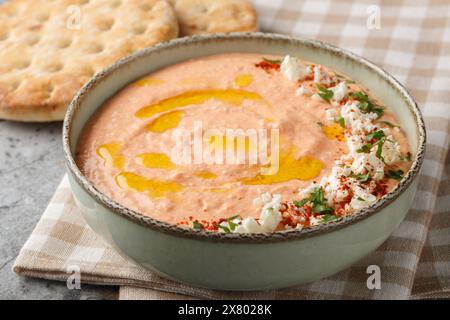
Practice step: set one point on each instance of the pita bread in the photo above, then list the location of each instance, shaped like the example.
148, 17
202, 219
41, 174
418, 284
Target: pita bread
49, 49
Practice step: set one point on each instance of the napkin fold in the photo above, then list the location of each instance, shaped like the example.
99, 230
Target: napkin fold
409, 39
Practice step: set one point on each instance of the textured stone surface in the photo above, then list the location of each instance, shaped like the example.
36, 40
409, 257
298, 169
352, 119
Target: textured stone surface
31, 167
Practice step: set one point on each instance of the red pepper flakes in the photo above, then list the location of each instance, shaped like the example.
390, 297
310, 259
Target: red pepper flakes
340, 211
340, 207
210, 225
205, 225
344, 101
380, 189
221, 220
267, 66
292, 216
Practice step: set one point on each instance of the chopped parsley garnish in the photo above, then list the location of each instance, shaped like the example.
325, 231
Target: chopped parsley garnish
389, 124
395, 174
300, 203
365, 148
272, 61
231, 224
380, 139
361, 199
368, 146
329, 217
237, 216
197, 225
380, 149
361, 177
366, 105
225, 229
341, 122
318, 202
377, 135
325, 93
359, 95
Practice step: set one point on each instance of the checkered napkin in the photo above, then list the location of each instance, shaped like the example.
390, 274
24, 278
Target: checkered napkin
411, 41
432, 278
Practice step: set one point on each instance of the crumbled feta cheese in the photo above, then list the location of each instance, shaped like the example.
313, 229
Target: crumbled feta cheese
248, 225
315, 221
390, 150
362, 198
317, 74
354, 143
322, 77
350, 112
368, 162
332, 185
293, 69
269, 219
356, 120
339, 91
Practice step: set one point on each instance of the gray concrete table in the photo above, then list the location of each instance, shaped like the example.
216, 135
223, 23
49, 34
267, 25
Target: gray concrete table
31, 166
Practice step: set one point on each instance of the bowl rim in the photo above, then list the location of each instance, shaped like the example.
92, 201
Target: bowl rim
172, 229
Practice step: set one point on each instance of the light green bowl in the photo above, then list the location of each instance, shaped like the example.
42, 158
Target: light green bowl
242, 261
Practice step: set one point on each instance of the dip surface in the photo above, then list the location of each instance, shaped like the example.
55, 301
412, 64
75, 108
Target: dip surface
127, 148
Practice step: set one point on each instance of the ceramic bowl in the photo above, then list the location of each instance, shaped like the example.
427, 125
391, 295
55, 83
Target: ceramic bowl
242, 261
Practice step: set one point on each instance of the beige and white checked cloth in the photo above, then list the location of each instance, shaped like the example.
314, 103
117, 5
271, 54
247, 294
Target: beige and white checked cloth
413, 43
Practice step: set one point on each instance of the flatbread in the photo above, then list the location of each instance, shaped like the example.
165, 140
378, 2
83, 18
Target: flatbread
49, 49
213, 16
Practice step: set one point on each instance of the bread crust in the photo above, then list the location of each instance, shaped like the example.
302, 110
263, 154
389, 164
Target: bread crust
213, 16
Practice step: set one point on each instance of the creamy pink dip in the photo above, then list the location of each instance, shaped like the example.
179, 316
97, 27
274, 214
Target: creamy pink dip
126, 149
